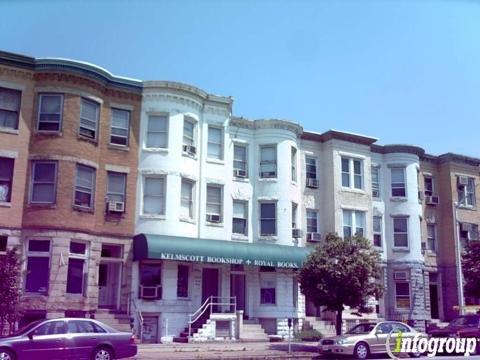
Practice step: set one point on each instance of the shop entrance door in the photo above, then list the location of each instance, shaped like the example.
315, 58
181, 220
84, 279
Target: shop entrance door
210, 285
238, 290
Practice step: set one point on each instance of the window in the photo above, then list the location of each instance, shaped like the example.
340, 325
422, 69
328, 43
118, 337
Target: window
83, 327
375, 181
89, 113
3, 243
398, 182
268, 282
377, 231
268, 161
353, 223
154, 195
400, 232
157, 132
76, 276
431, 237
215, 143
268, 219
311, 167
240, 160
466, 191
352, 173
120, 127
51, 328
294, 215
44, 179
85, 186
50, 107
9, 107
186, 201
116, 186
239, 225
294, 164
188, 131
428, 185
182, 281
38, 266
402, 295
151, 277
468, 232
214, 203
312, 222
6, 178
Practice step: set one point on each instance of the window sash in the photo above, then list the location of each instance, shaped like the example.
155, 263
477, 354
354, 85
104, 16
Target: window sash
150, 274
311, 167
294, 163
188, 132
312, 222
214, 200
88, 123
116, 183
428, 185
268, 159
75, 276
186, 198
268, 288
157, 132
6, 178
49, 118
375, 182
43, 190
268, 219
119, 128
215, 143
398, 182
84, 186
9, 107
154, 195
431, 237
402, 295
240, 157
400, 232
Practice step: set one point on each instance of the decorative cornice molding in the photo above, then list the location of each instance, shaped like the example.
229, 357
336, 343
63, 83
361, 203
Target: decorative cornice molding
267, 124
173, 98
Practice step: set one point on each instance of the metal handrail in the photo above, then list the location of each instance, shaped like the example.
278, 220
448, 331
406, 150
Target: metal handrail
209, 303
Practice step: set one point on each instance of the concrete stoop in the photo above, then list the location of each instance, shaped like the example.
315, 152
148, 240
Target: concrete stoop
118, 321
253, 332
326, 328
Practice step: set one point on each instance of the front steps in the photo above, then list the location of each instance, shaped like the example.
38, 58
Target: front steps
117, 320
253, 332
326, 328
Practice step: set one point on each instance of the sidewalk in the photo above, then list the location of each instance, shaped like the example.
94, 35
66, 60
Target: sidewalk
258, 350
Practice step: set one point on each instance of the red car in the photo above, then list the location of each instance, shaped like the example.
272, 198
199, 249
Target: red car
67, 338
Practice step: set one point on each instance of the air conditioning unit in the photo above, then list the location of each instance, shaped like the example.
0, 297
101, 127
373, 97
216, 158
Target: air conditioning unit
400, 275
240, 173
296, 233
466, 227
432, 200
462, 180
421, 195
190, 149
213, 218
149, 292
116, 206
312, 183
268, 174
314, 237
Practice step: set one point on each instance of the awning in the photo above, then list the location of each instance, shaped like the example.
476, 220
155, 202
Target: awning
217, 251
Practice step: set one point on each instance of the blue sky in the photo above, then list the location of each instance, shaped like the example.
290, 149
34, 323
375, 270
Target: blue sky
403, 71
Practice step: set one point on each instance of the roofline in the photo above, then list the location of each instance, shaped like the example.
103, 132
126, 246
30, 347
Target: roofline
452, 157
339, 135
398, 148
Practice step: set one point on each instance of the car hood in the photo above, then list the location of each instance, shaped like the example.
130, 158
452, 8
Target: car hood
346, 337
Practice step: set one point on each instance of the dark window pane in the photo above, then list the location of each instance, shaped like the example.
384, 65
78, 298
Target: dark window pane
402, 289
39, 245
77, 248
239, 226
51, 328
182, 281
37, 275
267, 296
3, 243
150, 275
75, 276
80, 327
268, 211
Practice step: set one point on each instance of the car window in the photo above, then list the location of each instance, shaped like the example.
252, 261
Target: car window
361, 329
397, 327
384, 328
97, 328
80, 327
50, 328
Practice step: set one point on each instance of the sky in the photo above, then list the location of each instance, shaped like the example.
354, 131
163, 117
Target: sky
403, 71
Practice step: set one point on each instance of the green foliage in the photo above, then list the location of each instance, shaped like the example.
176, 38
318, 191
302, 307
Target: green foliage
308, 335
471, 269
342, 272
10, 270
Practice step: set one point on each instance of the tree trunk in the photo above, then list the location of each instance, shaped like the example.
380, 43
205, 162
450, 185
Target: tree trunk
338, 324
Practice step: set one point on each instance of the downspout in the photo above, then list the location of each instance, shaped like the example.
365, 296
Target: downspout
200, 177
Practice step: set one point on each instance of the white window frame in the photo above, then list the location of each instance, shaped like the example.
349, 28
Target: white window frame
188, 200
431, 239
243, 161
16, 111
244, 218
127, 129
353, 220
83, 257
96, 120
123, 194
294, 215
426, 191
377, 232
310, 219
60, 113
307, 164
166, 131
403, 296
466, 192
273, 163
274, 203
92, 190
162, 196
33, 183
220, 144
220, 204
293, 159
351, 172
187, 140
41, 254
398, 185
376, 188
406, 218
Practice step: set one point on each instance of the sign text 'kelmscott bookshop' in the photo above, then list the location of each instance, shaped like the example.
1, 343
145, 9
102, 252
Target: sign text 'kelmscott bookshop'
227, 260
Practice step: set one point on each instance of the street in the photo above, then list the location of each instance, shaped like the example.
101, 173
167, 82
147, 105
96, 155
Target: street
258, 350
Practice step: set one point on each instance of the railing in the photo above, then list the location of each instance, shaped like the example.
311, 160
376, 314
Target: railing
212, 304
134, 310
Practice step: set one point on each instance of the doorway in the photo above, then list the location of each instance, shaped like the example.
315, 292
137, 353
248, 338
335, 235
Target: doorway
434, 301
109, 274
238, 290
210, 285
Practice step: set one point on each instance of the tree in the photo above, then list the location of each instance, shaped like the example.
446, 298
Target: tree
10, 270
471, 269
342, 272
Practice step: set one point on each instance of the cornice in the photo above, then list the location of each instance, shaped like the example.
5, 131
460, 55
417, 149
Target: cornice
398, 148
267, 124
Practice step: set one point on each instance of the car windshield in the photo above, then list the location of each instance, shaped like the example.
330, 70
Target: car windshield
465, 321
26, 328
361, 329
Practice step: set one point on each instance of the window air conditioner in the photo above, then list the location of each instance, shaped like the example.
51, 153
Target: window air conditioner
432, 200
314, 237
268, 174
296, 233
116, 206
190, 149
312, 183
239, 173
400, 275
149, 292
213, 218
